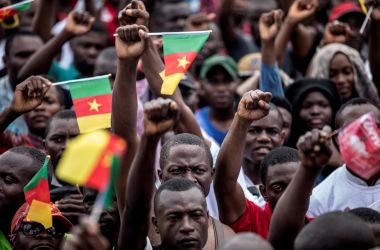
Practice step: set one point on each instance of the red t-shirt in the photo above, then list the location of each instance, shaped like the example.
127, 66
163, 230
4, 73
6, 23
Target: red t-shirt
255, 219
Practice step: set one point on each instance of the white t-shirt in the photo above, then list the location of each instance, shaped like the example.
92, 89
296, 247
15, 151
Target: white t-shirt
340, 191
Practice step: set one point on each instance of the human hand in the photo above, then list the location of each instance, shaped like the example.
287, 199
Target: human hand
134, 13
376, 9
300, 10
200, 21
131, 41
79, 23
86, 236
337, 32
29, 94
160, 115
72, 207
254, 105
314, 149
270, 24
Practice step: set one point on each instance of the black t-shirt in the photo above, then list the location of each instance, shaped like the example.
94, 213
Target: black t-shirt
158, 248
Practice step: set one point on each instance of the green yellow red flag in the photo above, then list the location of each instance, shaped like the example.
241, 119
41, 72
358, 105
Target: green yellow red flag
37, 195
180, 50
88, 159
14, 9
92, 99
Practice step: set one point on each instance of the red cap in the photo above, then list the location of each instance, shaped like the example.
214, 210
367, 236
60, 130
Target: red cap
344, 8
21, 213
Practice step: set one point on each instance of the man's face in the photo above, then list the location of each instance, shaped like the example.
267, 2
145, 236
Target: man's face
189, 162
278, 178
38, 118
28, 239
263, 136
182, 219
21, 49
287, 117
86, 49
351, 113
173, 17
61, 131
16, 170
316, 111
219, 88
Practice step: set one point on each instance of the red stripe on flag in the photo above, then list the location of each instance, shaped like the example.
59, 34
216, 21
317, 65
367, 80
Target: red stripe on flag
6, 13
93, 105
173, 62
40, 192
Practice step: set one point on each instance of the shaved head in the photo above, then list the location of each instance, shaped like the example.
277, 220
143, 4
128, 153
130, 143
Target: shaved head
247, 241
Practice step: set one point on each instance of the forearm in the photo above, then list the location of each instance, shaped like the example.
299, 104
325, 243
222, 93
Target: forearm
282, 40
6, 118
289, 215
40, 62
42, 23
226, 22
374, 52
140, 188
153, 65
268, 52
91, 8
230, 198
303, 40
124, 116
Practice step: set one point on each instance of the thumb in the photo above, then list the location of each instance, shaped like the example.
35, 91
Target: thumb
143, 34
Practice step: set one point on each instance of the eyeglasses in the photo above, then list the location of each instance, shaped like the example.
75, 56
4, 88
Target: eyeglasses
33, 229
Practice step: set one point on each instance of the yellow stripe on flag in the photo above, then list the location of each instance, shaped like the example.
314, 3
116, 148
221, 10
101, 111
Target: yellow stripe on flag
40, 212
364, 8
81, 157
94, 122
170, 83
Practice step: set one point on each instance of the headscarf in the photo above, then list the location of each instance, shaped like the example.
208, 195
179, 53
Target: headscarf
320, 68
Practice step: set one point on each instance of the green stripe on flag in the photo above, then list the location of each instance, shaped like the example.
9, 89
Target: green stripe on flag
112, 186
41, 174
179, 43
89, 87
22, 7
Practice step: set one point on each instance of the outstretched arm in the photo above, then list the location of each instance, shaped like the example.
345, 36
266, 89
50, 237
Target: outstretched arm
289, 215
45, 18
28, 95
40, 62
159, 116
230, 197
130, 44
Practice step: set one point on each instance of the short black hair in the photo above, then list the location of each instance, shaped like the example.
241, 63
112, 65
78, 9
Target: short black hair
274, 108
335, 231
36, 155
183, 139
282, 102
358, 101
65, 114
10, 40
367, 214
176, 185
278, 155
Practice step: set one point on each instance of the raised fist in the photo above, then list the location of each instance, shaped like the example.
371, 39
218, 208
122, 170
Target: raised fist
134, 13
254, 105
300, 10
131, 41
270, 24
79, 23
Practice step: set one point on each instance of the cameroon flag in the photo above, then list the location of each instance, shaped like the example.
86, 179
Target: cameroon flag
37, 195
88, 159
14, 9
92, 98
180, 50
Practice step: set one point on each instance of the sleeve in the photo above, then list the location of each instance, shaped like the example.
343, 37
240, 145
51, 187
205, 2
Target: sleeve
148, 246
270, 80
246, 223
315, 208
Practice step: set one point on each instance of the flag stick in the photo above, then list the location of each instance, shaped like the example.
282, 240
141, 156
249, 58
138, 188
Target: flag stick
81, 80
17, 4
175, 33
98, 206
366, 20
328, 136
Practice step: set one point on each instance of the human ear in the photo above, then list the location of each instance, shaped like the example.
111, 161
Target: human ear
263, 192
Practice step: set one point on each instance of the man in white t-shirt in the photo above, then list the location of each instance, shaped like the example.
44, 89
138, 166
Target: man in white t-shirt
344, 190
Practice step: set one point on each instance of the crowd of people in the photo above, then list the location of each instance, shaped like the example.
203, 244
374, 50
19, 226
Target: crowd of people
242, 156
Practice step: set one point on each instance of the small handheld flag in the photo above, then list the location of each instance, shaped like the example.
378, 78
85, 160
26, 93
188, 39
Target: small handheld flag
180, 50
14, 9
92, 98
359, 144
37, 195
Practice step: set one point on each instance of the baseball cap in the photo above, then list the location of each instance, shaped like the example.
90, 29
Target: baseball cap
187, 81
344, 9
218, 60
21, 213
249, 64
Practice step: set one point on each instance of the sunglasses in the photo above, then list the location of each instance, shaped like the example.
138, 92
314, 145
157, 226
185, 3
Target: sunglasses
33, 229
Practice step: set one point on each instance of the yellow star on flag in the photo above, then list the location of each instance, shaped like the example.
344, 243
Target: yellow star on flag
5, 13
183, 62
94, 105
